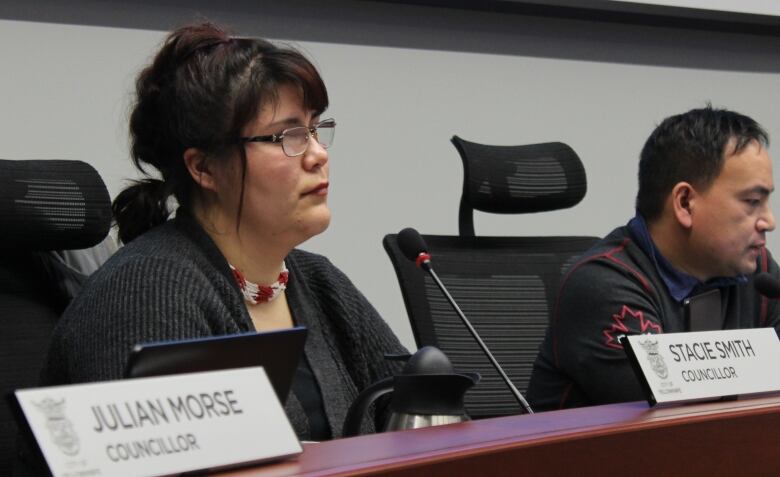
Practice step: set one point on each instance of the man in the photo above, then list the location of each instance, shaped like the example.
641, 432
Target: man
702, 215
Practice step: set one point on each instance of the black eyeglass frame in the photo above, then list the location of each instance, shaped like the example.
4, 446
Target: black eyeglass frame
278, 138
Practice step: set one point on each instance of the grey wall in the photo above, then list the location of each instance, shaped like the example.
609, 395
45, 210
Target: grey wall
403, 79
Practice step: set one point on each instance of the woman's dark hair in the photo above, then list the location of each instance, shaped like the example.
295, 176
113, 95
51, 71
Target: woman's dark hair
690, 147
200, 91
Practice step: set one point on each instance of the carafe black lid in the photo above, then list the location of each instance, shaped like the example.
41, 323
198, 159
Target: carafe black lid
429, 385
428, 360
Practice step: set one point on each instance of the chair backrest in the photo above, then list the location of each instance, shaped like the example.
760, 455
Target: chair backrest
44, 206
506, 286
517, 179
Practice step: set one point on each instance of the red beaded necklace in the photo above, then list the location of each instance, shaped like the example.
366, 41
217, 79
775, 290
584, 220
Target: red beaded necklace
254, 293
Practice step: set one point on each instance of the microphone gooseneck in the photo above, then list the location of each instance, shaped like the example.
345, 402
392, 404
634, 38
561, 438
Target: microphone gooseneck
414, 248
767, 285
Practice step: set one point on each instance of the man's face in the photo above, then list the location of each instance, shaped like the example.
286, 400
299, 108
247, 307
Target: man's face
730, 219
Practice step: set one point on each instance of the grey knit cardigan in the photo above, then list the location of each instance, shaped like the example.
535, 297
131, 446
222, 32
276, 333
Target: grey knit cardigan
173, 283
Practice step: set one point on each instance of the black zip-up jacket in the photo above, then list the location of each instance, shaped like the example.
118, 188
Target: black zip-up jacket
615, 289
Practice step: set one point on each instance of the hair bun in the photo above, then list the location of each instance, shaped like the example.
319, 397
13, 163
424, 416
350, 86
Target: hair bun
141, 207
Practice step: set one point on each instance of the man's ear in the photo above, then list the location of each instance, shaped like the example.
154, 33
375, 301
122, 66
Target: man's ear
683, 198
198, 166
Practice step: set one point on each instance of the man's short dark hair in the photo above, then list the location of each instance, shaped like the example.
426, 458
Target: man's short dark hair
690, 147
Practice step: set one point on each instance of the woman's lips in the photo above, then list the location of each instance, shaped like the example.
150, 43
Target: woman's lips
321, 189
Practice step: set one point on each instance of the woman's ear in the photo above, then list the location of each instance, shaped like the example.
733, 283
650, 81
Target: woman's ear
683, 198
197, 165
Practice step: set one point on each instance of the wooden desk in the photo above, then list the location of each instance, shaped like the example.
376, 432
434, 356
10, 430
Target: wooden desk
738, 438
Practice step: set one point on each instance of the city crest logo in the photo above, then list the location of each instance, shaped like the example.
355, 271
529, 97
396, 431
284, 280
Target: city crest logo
60, 427
656, 360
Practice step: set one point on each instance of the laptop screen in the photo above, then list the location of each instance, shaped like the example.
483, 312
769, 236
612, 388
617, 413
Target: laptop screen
277, 351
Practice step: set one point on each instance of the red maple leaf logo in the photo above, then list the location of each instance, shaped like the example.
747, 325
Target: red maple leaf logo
619, 328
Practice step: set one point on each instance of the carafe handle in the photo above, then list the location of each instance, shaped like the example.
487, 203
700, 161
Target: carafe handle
359, 407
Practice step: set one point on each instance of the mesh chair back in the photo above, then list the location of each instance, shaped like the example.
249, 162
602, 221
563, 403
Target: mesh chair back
44, 205
506, 286
517, 179
52, 205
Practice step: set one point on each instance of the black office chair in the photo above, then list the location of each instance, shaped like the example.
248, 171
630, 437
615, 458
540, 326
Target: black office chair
44, 206
505, 285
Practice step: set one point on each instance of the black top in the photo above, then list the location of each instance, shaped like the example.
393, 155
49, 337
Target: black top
307, 391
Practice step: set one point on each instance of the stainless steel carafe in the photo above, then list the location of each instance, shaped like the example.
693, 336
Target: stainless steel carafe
428, 392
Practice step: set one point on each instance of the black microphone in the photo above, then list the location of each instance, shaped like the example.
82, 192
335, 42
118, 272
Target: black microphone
767, 285
413, 247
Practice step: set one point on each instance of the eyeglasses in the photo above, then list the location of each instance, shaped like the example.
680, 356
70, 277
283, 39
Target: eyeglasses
295, 140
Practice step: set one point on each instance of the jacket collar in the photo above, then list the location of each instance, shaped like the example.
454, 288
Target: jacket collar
680, 284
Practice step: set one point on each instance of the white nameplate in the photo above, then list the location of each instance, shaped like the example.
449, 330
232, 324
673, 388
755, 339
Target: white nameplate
159, 426
677, 367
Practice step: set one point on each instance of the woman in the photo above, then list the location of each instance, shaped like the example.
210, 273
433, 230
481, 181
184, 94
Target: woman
235, 128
